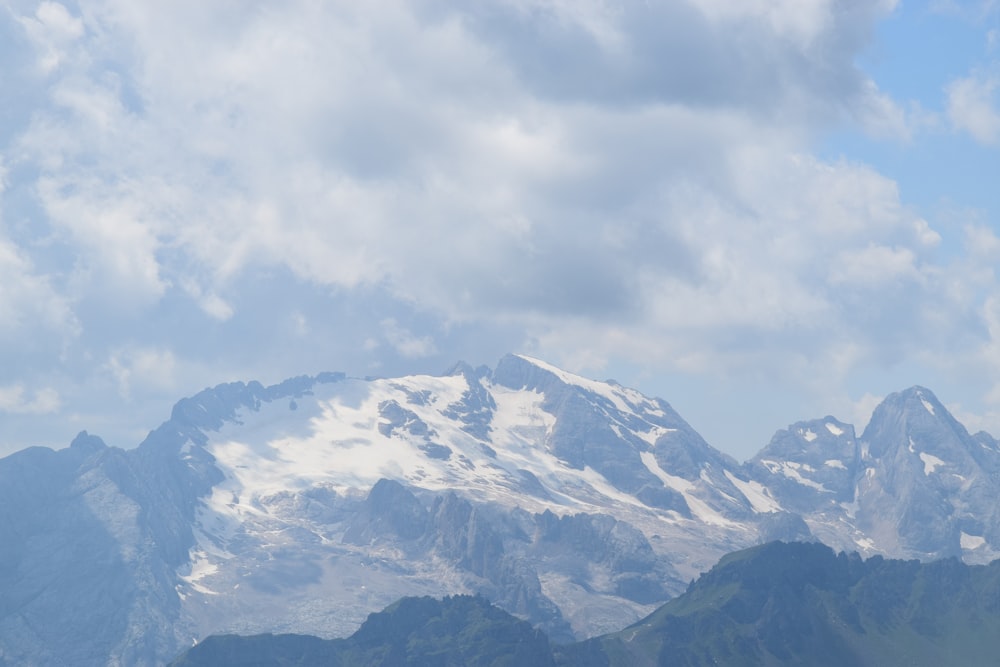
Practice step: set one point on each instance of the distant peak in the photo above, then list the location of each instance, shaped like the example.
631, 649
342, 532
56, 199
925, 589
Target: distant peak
916, 391
463, 368
909, 414
914, 396
519, 371
535, 361
88, 443
565, 376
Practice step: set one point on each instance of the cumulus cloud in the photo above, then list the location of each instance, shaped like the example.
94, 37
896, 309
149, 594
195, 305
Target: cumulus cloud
141, 369
15, 399
53, 29
389, 147
973, 106
29, 304
404, 342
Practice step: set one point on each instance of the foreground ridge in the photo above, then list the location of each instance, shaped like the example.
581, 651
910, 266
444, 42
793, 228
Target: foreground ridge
778, 604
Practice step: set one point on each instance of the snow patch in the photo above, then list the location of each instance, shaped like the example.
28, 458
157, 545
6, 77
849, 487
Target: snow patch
835, 463
970, 542
808, 434
699, 507
756, 493
201, 567
790, 469
865, 543
931, 462
654, 433
927, 405
834, 429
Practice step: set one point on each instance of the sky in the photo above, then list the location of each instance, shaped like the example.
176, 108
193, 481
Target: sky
761, 211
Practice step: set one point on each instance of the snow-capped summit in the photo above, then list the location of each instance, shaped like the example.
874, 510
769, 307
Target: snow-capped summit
811, 464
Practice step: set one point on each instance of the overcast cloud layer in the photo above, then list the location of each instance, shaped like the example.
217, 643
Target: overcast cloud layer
197, 192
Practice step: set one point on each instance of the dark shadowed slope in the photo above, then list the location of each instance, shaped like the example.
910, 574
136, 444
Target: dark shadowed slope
458, 630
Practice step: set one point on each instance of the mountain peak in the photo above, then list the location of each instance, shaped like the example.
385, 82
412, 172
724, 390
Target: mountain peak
87, 443
810, 461
519, 371
912, 414
466, 369
916, 398
925, 396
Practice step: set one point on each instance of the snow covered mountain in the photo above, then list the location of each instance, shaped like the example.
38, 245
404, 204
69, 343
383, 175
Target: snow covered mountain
578, 505
915, 485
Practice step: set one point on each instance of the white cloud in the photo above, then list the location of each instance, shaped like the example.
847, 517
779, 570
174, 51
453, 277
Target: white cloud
404, 342
30, 305
405, 161
53, 29
987, 420
973, 106
982, 241
300, 324
210, 303
874, 265
118, 246
141, 369
925, 236
15, 399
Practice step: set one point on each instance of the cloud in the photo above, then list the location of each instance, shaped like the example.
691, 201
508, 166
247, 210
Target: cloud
973, 106
405, 343
875, 266
53, 29
455, 138
14, 399
142, 369
37, 321
29, 303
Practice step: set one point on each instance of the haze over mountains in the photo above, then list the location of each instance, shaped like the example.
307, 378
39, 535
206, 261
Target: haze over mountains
578, 505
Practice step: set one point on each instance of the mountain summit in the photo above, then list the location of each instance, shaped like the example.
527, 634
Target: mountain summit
574, 504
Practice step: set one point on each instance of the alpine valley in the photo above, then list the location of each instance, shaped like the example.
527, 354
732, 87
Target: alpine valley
579, 506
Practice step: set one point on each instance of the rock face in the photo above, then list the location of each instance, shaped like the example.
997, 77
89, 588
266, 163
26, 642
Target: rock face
577, 505
914, 485
929, 489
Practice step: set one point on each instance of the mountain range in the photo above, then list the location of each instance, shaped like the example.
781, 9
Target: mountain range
579, 506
